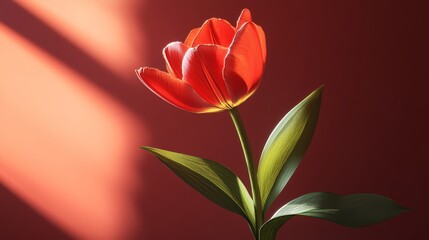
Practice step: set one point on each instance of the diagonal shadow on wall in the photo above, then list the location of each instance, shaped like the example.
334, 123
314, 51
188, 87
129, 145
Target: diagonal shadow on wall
22, 221
19, 220
46, 38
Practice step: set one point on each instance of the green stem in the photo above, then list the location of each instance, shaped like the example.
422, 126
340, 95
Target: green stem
239, 126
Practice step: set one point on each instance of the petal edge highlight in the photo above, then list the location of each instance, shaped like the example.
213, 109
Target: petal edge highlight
202, 69
173, 54
191, 37
215, 31
174, 91
246, 59
245, 17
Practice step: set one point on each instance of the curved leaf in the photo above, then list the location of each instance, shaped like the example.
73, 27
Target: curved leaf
214, 181
354, 210
286, 146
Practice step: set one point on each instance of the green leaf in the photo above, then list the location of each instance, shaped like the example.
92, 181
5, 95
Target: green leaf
354, 210
214, 181
286, 146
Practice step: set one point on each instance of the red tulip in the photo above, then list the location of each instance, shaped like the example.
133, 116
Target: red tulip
216, 68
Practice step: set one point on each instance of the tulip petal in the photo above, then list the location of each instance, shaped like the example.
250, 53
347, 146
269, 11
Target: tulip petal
245, 59
263, 40
215, 31
245, 17
174, 91
191, 37
173, 55
202, 69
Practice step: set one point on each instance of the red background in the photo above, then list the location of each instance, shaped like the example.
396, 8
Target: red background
371, 135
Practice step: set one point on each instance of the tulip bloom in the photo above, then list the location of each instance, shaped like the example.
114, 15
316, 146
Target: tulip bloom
216, 68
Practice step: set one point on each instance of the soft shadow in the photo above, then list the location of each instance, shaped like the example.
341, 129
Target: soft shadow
20, 221
32, 28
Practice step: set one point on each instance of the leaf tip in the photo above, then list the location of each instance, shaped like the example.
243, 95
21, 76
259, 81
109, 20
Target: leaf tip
147, 148
319, 90
402, 209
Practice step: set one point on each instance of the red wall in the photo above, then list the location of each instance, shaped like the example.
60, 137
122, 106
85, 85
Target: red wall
370, 137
